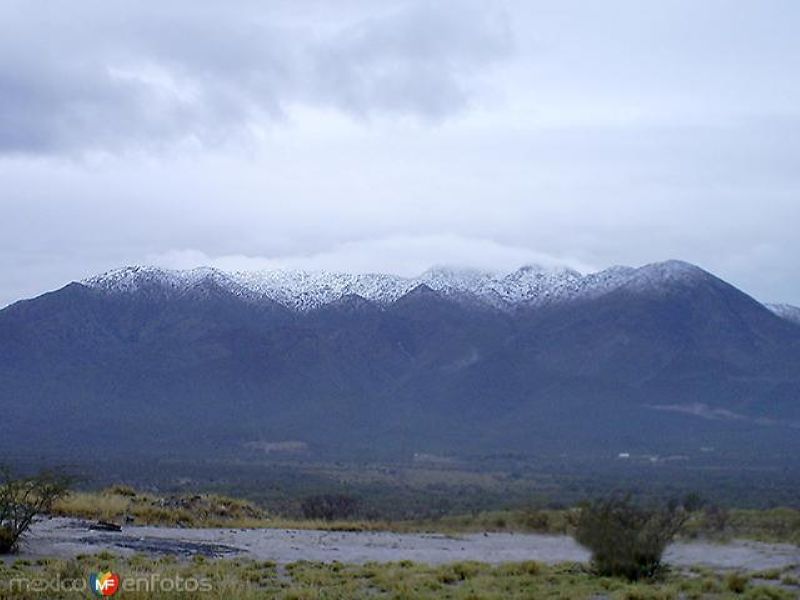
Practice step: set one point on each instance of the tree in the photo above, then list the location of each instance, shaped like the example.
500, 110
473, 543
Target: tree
21, 499
625, 539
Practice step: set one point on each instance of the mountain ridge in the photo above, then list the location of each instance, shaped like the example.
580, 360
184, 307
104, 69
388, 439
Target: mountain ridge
301, 290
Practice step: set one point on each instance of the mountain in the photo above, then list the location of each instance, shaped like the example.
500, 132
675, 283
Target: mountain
661, 359
786, 311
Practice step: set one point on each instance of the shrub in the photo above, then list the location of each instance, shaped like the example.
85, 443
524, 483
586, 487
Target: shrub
537, 520
716, 518
21, 499
121, 490
736, 582
528, 567
693, 502
329, 507
763, 592
625, 539
6, 539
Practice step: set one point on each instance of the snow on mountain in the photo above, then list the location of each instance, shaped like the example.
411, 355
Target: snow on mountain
786, 311
304, 290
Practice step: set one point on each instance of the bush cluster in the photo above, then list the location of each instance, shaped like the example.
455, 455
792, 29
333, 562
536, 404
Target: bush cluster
625, 539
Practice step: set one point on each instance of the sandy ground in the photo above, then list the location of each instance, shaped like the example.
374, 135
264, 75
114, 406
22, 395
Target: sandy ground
69, 537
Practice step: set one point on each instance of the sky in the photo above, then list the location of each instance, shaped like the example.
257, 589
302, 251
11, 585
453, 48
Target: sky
392, 136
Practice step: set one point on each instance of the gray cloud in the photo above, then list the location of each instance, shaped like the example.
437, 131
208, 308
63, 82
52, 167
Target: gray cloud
418, 60
392, 135
114, 75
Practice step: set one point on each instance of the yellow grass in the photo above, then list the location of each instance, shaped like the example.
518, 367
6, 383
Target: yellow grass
119, 504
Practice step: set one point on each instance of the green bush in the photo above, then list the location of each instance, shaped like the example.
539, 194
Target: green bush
625, 539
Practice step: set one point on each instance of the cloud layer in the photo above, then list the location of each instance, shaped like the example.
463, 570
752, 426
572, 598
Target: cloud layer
393, 135
408, 256
110, 76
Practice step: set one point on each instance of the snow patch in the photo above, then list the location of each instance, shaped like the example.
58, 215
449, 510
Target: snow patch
786, 311
530, 285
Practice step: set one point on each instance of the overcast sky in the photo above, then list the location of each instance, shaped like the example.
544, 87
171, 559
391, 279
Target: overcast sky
393, 136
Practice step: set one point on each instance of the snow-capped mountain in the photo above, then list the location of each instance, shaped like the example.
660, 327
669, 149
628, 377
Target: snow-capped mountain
621, 358
303, 290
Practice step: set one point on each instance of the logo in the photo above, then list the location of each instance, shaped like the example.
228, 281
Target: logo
104, 584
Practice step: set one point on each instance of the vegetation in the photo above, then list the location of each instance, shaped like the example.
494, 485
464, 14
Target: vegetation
329, 507
414, 490
625, 539
123, 504
22, 499
248, 579
117, 503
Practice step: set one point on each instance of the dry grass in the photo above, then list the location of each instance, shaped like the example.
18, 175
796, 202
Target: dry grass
120, 504
246, 579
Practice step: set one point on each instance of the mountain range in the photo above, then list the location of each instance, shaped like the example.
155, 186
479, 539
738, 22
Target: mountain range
665, 359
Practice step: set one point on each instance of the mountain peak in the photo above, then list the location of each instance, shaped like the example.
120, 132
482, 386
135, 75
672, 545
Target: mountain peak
660, 275
674, 267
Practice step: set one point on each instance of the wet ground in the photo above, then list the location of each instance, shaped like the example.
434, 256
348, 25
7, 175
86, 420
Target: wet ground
70, 537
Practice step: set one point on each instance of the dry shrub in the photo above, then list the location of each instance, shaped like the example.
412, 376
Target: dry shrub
625, 539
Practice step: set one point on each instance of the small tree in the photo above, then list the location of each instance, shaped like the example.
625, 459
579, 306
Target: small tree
21, 499
625, 539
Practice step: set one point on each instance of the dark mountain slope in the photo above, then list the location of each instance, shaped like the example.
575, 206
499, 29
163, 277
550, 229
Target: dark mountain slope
671, 360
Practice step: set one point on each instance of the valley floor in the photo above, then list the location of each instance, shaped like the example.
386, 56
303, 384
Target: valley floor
210, 564
66, 538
